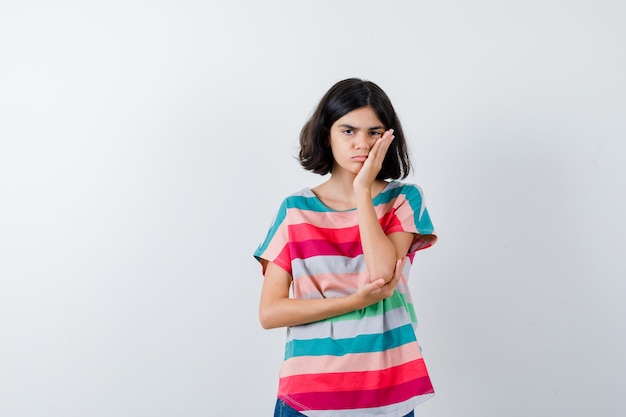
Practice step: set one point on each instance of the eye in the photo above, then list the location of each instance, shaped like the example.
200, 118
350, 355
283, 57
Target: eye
376, 133
347, 131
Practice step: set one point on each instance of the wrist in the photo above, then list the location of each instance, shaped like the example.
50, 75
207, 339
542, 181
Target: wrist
362, 191
355, 301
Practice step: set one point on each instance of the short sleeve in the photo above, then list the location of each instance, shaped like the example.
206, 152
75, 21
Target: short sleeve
275, 247
411, 215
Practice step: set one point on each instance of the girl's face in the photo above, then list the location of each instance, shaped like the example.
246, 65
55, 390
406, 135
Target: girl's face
351, 138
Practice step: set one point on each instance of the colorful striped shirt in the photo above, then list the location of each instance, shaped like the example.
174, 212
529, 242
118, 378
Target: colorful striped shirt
363, 363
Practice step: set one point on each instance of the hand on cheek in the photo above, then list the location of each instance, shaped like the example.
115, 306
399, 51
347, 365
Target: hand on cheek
374, 162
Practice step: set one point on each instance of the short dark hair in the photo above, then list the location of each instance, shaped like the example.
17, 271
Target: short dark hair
342, 98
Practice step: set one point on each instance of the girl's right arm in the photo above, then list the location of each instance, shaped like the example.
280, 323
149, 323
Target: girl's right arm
277, 309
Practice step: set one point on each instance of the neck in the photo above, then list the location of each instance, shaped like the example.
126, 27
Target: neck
338, 191
342, 184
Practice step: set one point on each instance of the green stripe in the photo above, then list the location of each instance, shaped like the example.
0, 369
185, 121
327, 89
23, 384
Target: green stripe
278, 219
297, 202
396, 300
411, 310
306, 203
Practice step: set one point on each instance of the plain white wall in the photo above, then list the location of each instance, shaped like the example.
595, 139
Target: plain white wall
145, 145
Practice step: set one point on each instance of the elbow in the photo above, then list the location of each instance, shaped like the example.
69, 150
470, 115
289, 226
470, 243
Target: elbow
265, 324
385, 272
266, 319
384, 275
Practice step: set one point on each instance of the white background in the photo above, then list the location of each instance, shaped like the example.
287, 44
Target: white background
145, 145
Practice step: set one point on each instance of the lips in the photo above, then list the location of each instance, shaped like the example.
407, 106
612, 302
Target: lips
359, 158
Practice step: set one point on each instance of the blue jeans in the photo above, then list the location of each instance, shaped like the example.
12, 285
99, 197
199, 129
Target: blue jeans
284, 410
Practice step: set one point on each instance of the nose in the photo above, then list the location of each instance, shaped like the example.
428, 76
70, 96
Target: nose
363, 141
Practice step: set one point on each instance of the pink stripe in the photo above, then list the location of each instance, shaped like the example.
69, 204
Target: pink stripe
322, 219
310, 248
305, 231
345, 400
354, 381
322, 283
331, 220
277, 245
283, 260
394, 225
354, 362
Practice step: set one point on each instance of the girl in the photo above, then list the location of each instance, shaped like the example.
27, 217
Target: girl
345, 250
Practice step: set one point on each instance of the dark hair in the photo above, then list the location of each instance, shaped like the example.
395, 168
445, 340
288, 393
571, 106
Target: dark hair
342, 98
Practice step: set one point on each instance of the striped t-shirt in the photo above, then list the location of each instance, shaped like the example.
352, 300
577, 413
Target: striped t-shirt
367, 362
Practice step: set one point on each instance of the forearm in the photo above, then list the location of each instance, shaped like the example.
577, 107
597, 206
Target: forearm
378, 250
277, 309
284, 312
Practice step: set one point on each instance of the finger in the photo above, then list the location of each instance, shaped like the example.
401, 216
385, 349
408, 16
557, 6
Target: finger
400, 264
382, 145
378, 283
387, 137
374, 286
399, 271
376, 156
377, 153
390, 286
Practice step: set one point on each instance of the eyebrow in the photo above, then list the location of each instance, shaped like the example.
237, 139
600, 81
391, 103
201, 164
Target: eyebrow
356, 128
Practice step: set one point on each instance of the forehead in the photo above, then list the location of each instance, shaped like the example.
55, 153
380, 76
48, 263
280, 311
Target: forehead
362, 118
